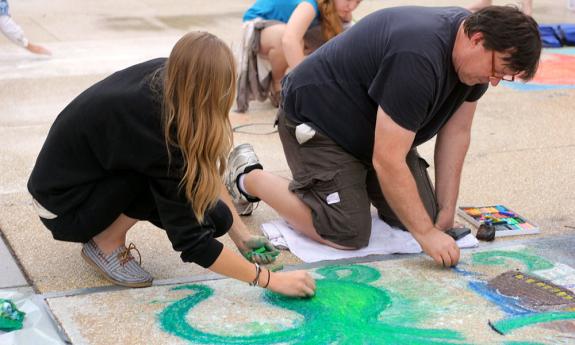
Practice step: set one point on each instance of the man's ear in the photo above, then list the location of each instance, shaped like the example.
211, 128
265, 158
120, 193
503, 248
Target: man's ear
476, 38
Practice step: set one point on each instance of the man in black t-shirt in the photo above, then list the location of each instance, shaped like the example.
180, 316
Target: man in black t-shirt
354, 112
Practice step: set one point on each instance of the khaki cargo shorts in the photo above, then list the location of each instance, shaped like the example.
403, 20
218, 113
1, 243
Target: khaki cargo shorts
339, 188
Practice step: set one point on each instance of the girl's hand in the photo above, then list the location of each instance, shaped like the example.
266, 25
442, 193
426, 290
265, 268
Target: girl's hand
257, 249
294, 283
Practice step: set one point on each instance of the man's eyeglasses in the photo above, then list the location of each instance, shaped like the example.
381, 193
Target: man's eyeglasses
503, 77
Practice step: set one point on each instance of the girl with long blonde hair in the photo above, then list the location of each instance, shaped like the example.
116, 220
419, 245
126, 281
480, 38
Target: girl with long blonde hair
150, 142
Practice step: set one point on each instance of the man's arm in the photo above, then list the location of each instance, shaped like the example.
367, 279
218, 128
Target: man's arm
450, 150
391, 145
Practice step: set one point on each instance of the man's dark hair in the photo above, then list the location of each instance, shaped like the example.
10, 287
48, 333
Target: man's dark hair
508, 30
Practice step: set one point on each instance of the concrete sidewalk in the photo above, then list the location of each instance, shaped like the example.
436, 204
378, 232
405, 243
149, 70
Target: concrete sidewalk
521, 153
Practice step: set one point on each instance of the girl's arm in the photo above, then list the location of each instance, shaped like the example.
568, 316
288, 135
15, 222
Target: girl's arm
292, 40
294, 283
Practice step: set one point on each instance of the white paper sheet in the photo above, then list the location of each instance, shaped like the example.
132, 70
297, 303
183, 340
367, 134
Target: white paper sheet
38, 327
384, 240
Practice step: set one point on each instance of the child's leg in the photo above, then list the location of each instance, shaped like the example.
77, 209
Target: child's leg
271, 47
102, 214
114, 235
101, 220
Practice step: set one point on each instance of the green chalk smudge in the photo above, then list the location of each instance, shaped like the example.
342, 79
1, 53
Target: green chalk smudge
497, 258
508, 325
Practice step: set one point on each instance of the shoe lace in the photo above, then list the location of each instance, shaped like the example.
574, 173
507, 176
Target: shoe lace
125, 255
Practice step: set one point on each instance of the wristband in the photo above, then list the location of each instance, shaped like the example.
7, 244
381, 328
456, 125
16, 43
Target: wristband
258, 271
268, 282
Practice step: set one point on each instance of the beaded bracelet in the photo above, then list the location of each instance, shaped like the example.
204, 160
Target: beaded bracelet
258, 271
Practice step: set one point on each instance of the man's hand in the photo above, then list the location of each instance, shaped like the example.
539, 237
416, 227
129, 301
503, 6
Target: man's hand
440, 246
257, 249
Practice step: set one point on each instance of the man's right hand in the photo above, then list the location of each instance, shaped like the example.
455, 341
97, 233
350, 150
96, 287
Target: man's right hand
294, 283
440, 246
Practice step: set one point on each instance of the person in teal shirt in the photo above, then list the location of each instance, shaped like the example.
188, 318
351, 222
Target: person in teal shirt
283, 43
276, 10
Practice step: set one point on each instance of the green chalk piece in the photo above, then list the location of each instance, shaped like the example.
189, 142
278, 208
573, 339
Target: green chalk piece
11, 318
260, 250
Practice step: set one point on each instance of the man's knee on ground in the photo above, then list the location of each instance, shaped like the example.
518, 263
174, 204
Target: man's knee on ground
350, 232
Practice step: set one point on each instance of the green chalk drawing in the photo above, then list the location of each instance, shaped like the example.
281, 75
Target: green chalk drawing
498, 258
345, 310
354, 273
507, 325
173, 320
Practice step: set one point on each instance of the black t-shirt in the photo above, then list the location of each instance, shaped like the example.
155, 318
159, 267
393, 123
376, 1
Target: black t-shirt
115, 127
398, 58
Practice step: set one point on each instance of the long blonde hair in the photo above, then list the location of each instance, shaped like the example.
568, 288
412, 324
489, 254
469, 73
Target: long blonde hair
330, 22
199, 89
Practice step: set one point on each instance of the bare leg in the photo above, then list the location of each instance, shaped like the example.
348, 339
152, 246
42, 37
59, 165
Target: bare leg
478, 5
114, 235
273, 190
271, 47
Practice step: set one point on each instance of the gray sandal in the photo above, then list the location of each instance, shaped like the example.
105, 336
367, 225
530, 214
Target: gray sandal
120, 267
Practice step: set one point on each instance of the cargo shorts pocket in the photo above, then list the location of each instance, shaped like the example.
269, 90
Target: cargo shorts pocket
334, 209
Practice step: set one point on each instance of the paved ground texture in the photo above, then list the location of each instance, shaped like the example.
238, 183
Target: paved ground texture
521, 155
